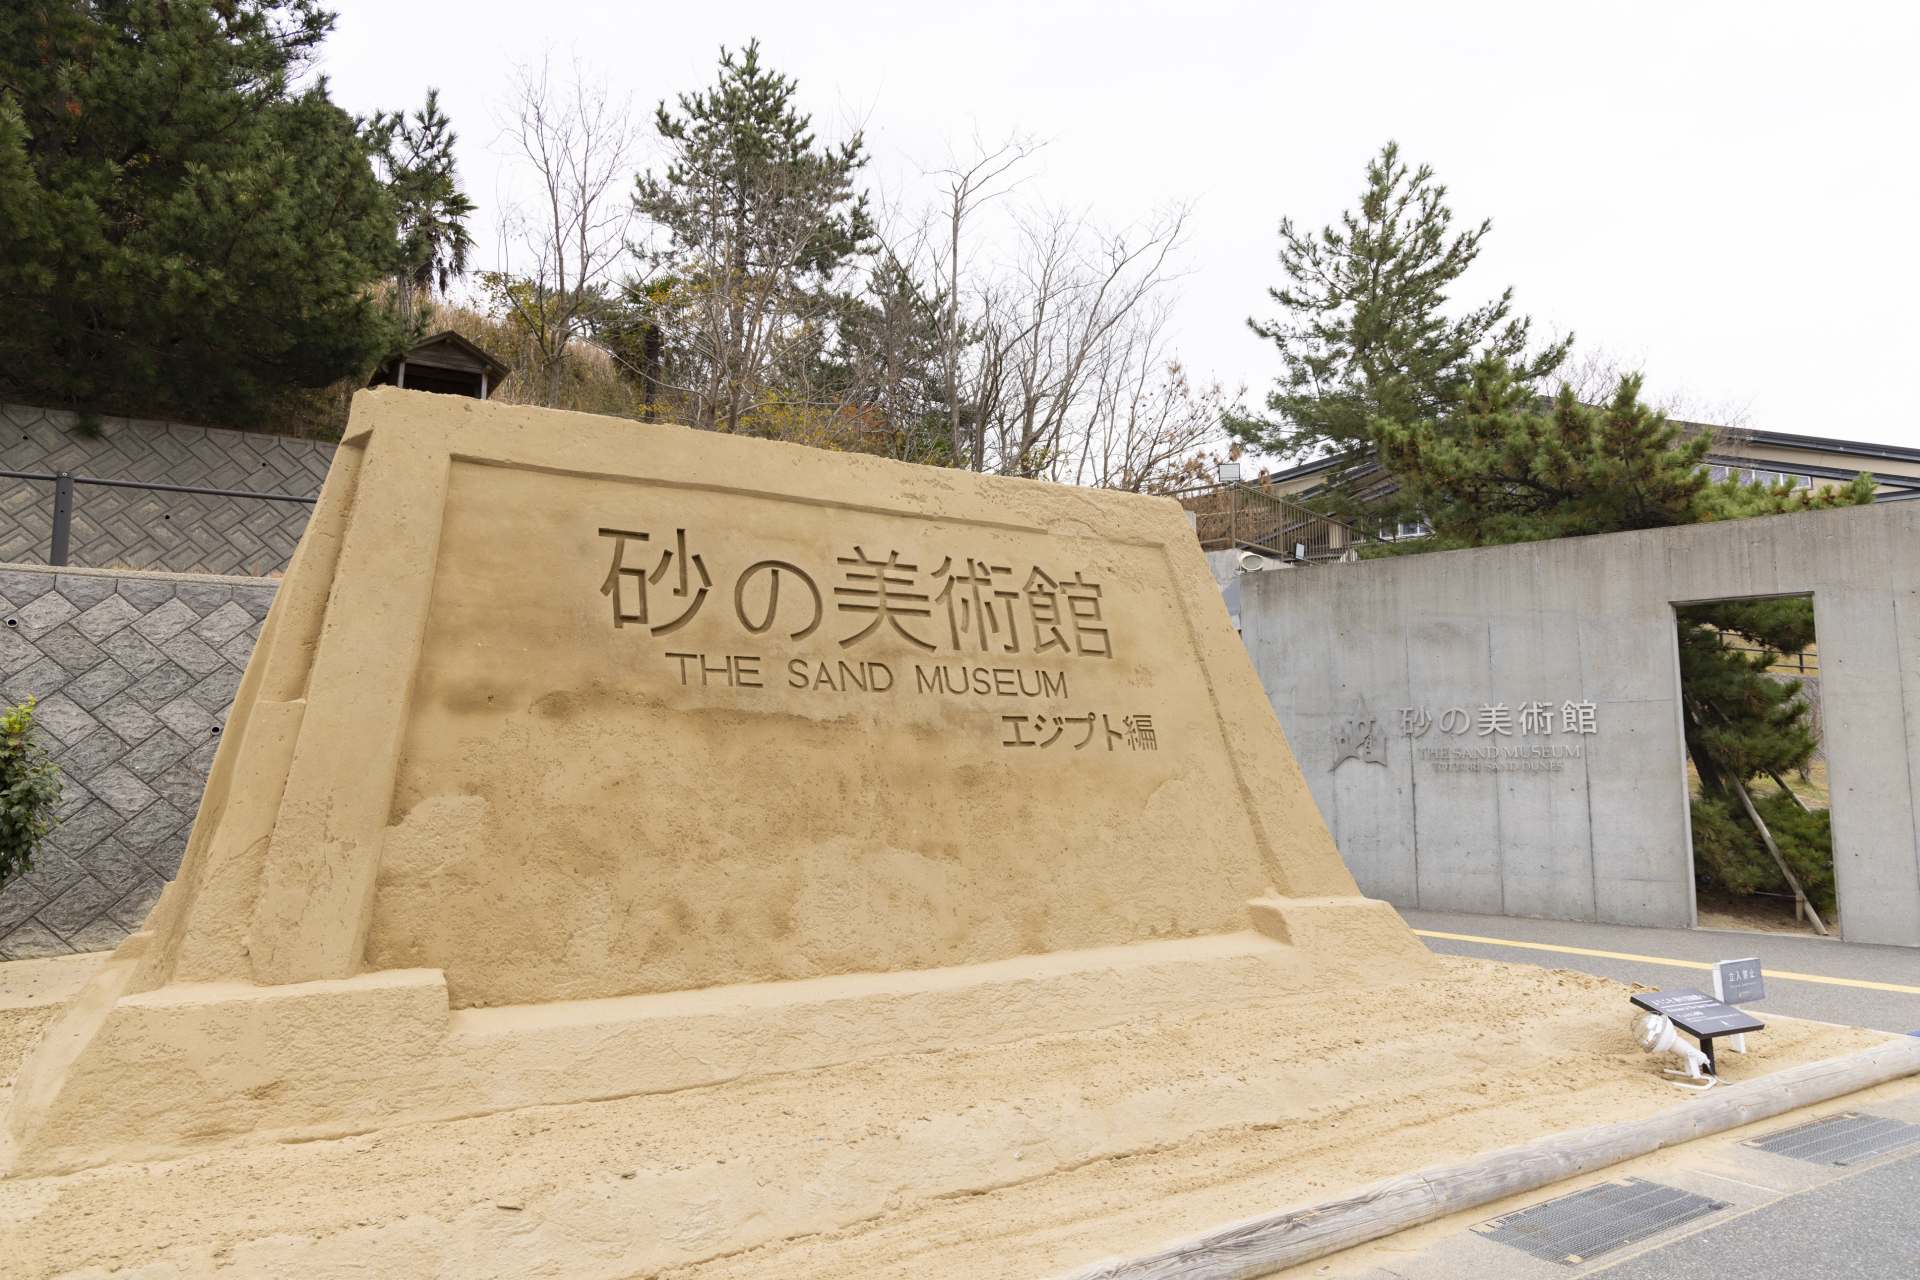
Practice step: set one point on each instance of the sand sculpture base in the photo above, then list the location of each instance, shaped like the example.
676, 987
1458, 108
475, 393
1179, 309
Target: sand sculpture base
1030, 1157
189, 1065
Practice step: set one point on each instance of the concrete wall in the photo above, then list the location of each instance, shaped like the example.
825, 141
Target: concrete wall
1224, 566
142, 529
1587, 826
134, 673
1226, 571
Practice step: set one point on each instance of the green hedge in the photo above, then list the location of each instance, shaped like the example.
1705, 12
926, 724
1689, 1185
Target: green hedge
29, 791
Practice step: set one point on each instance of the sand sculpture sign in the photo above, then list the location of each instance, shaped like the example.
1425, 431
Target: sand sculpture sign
579, 757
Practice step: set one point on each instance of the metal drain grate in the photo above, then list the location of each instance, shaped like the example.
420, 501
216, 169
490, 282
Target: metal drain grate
1848, 1138
1598, 1220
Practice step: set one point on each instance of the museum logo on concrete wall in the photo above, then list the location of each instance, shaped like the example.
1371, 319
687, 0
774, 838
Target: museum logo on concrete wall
1531, 736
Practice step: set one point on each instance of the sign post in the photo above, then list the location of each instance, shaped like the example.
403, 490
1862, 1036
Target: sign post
1700, 1016
1739, 982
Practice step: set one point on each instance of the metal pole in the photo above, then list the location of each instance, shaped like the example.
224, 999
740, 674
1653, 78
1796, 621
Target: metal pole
1782, 783
1766, 838
62, 518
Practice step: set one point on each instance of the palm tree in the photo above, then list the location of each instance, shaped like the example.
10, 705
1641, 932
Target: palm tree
430, 209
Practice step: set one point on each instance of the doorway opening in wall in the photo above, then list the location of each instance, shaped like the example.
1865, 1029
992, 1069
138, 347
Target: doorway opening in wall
1756, 771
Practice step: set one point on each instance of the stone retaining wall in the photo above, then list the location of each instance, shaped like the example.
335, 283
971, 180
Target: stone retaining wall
134, 673
143, 529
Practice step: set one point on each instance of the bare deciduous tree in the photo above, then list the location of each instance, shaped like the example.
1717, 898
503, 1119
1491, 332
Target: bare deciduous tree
1594, 375
569, 241
1052, 326
1052, 357
970, 184
1146, 427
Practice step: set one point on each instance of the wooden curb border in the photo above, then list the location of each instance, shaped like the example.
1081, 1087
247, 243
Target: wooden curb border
1270, 1242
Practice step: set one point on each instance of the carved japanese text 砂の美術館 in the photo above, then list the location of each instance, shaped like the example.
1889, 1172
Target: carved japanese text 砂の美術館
980, 605
960, 606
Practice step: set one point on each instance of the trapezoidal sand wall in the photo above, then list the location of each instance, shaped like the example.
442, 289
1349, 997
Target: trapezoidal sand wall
598, 709
565, 712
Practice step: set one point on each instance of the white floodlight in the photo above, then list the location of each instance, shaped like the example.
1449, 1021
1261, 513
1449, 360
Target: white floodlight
1253, 562
1655, 1033
1229, 473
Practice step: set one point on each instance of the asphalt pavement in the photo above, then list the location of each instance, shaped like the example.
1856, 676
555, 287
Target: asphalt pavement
1807, 977
1865, 1226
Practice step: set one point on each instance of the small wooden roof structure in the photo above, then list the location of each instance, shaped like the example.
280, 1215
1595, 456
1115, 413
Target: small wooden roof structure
447, 363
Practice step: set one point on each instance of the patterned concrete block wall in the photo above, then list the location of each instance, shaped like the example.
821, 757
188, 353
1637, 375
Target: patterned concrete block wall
134, 673
142, 529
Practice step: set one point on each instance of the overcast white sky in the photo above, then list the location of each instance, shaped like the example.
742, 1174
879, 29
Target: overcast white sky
1724, 194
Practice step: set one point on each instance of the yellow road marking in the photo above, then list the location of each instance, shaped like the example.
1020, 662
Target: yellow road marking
1783, 974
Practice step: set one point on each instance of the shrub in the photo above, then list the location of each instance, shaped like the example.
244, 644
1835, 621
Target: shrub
29, 791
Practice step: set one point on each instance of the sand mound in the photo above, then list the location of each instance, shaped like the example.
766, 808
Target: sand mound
1018, 1159
31, 993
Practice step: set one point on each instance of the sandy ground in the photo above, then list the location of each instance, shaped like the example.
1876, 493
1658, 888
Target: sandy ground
31, 992
1017, 1160
1752, 913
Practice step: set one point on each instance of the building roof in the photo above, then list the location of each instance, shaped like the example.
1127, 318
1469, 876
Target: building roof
1307, 470
1821, 444
446, 362
449, 342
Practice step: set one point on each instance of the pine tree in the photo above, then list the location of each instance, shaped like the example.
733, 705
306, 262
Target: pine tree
1368, 335
180, 232
1501, 467
1744, 726
889, 360
1505, 466
758, 219
429, 206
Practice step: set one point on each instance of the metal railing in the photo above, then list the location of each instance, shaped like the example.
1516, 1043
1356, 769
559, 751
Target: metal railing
1237, 516
64, 483
1802, 665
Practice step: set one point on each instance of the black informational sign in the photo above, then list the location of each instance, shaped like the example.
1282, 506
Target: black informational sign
1698, 1013
1741, 981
